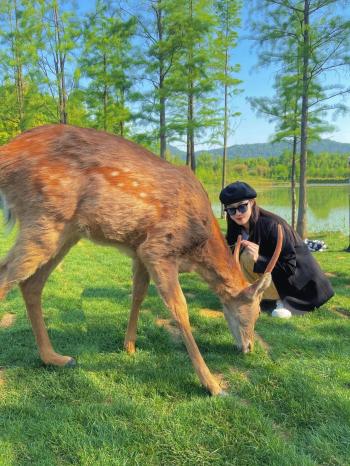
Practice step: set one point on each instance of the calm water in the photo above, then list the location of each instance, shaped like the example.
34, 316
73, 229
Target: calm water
328, 206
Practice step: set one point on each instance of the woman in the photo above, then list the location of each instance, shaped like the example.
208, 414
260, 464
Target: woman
298, 283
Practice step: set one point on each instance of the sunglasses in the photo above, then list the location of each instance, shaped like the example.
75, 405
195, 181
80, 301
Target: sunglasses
242, 208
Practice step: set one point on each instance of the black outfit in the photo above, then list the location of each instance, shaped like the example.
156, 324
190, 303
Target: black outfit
300, 282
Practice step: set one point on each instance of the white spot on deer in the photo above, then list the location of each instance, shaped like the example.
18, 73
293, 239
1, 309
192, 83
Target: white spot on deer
134, 183
143, 194
126, 170
114, 173
120, 185
64, 182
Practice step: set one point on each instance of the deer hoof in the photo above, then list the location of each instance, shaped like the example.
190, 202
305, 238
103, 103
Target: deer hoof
71, 363
130, 347
223, 393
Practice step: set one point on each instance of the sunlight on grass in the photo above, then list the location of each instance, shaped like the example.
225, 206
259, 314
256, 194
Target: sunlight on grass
289, 401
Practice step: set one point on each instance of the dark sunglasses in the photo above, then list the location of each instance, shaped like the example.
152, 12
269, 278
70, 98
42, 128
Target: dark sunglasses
242, 208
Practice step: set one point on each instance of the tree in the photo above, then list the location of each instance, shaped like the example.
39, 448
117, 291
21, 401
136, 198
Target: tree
193, 103
320, 42
58, 38
160, 30
284, 109
228, 21
106, 64
17, 57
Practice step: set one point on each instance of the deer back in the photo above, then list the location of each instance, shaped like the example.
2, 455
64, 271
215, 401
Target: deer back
111, 189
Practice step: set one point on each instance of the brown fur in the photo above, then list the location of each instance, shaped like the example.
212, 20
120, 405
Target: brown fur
64, 183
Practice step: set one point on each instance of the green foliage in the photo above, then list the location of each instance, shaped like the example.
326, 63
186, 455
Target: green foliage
323, 166
106, 63
192, 109
157, 70
57, 42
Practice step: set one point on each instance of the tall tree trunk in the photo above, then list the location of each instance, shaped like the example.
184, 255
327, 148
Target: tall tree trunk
162, 129
20, 95
105, 94
224, 153
293, 189
60, 71
64, 113
122, 122
18, 70
302, 220
190, 158
294, 154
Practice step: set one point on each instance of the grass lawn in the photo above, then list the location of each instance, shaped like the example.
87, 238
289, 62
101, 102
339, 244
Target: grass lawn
288, 403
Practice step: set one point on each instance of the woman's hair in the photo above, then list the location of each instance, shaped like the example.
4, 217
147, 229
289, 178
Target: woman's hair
233, 229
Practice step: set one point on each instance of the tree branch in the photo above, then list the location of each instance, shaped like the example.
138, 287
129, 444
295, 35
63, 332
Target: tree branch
347, 91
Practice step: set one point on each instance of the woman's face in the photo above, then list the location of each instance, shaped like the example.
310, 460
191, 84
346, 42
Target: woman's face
240, 212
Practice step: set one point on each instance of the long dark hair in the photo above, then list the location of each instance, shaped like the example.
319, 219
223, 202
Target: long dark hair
233, 229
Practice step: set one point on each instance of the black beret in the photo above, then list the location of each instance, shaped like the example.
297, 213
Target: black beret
237, 191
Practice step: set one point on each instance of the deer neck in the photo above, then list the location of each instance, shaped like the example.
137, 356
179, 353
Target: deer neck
216, 266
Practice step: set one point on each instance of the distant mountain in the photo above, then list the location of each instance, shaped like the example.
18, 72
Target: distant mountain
270, 149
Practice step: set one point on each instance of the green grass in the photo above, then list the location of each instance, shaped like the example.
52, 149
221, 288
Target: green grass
288, 403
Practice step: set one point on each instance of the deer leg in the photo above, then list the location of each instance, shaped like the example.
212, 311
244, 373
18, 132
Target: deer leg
140, 286
165, 277
34, 248
32, 289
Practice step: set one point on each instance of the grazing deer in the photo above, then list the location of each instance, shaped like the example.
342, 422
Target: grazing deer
63, 183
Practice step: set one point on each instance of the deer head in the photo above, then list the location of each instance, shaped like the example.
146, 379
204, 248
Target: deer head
243, 309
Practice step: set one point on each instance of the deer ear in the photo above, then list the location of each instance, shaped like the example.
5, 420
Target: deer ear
259, 286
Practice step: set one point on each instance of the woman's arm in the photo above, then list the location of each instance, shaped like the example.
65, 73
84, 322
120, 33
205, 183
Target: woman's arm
287, 259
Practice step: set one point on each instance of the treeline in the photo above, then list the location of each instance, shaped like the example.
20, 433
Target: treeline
322, 167
159, 71
153, 70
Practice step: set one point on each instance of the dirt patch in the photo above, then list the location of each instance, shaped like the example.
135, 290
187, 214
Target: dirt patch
170, 326
221, 381
211, 313
239, 374
190, 295
7, 320
285, 435
341, 312
262, 342
330, 274
2, 376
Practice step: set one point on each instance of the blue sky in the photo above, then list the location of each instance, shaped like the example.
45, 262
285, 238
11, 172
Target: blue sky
259, 83
249, 128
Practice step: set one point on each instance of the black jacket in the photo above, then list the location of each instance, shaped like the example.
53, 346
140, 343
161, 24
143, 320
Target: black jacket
297, 276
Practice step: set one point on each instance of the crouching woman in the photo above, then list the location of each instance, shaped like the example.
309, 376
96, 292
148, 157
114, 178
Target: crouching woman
298, 284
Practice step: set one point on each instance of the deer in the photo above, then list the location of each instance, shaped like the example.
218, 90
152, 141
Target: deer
61, 183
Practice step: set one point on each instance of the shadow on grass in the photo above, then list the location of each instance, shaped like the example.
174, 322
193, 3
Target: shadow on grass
98, 347
114, 293
202, 296
341, 280
284, 389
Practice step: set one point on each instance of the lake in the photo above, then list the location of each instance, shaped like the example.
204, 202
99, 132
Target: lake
328, 205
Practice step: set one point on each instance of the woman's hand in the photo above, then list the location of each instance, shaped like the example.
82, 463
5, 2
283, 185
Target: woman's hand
251, 248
